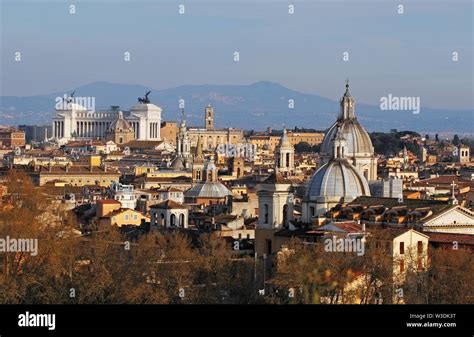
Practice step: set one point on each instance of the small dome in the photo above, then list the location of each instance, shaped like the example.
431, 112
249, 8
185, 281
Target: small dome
120, 124
337, 178
208, 190
357, 139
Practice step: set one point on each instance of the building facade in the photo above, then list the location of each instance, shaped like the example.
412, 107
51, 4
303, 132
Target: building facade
74, 121
11, 137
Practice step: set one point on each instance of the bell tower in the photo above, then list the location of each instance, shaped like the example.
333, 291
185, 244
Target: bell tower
209, 117
183, 142
285, 155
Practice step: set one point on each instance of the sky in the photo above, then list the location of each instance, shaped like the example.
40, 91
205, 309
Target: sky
409, 54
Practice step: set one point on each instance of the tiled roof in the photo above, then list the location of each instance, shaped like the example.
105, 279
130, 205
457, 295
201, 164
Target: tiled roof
344, 226
75, 169
393, 202
276, 178
169, 204
443, 180
463, 239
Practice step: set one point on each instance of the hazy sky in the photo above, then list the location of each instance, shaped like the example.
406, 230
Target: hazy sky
405, 55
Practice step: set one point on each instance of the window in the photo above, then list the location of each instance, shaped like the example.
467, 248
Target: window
266, 213
402, 266
285, 212
248, 236
402, 248
311, 210
420, 263
269, 246
126, 217
420, 247
240, 236
135, 217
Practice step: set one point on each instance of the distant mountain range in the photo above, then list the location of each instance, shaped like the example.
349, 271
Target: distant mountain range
253, 106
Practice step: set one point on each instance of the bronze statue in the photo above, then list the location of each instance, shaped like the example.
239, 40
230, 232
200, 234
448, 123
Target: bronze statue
144, 99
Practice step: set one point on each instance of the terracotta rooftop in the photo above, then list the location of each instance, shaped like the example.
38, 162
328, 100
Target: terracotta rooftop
77, 169
169, 204
276, 178
463, 239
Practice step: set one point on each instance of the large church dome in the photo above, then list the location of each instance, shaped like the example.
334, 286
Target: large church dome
358, 143
338, 178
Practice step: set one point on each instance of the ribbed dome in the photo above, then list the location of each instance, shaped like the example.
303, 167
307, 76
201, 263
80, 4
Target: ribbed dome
120, 124
338, 178
208, 190
358, 141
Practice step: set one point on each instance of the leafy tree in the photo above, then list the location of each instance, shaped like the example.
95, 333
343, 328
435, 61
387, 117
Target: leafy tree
303, 147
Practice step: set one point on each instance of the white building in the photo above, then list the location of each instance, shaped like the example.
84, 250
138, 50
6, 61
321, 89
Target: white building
453, 220
169, 214
73, 121
124, 194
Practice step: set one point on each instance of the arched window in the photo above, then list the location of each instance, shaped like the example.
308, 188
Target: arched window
173, 220
162, 220
266, 213
311, 211
285, 213
181, 220
287, 160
